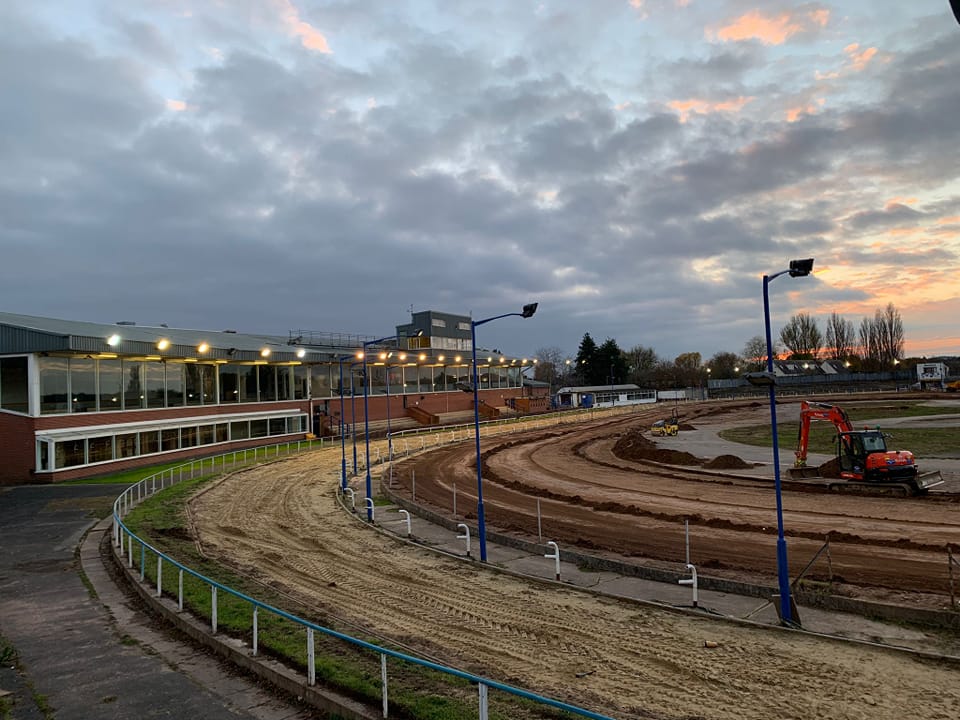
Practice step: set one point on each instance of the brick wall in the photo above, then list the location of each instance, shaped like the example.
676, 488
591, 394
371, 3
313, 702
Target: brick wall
17, 450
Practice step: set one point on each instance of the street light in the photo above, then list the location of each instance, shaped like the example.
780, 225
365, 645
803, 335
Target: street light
343, 439
366, 416
528, 311
798, 268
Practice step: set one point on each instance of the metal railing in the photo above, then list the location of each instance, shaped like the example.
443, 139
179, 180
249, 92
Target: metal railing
126, 542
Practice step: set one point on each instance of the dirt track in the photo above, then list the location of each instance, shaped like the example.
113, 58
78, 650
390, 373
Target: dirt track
283, 518
880, 547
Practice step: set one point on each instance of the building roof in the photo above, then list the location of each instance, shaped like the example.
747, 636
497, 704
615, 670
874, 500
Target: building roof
598, 388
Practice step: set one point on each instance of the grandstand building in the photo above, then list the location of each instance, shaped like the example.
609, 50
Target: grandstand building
80, 399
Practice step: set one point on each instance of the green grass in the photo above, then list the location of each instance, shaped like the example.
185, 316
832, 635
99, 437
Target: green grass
928, 442
415, 693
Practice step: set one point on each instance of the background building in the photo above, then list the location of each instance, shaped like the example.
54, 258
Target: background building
79, 399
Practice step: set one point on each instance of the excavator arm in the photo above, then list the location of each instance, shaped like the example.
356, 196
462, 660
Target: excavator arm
817, 411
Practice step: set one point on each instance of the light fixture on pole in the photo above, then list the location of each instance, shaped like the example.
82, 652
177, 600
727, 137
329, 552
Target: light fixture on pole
528, 311
366, 417
798, 268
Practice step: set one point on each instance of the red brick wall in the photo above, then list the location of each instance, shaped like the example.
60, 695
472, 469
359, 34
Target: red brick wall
17, 449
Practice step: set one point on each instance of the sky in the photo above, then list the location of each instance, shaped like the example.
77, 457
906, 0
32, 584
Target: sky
635, 166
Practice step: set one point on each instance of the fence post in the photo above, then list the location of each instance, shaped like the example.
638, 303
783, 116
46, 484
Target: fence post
143, 560
454, 499
311, 665
180, 590
159, 575
539, 523
953, 600
383, 682
483, 701
256, 629
213, 607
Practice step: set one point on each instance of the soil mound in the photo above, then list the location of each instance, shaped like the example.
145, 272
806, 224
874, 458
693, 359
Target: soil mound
727, 462
633, 445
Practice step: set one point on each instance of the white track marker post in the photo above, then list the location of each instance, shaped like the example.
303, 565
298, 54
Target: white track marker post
413, 475
555, 556
686, 536
383, 682
465, 536
407, 516
353, 499
483, 709
369, 506
692, 580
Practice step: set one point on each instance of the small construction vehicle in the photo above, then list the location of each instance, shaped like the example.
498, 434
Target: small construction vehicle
665, 427
862, 455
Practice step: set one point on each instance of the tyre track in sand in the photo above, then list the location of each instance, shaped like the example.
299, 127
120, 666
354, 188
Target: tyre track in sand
283, 520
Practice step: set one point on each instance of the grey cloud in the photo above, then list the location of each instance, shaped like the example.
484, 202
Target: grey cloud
893, 215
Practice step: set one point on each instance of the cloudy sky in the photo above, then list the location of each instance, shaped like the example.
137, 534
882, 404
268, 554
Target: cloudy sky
633, 165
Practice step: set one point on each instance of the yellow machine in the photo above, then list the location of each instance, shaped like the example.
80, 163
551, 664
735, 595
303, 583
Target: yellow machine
665, 427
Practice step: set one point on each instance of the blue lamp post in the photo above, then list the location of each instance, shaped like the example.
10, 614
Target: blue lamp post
798, 268
366, 416
528, 311
343, 438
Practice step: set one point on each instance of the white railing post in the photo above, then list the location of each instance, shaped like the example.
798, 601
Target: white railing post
256, 629
353, 499
383, 682
555, 556
692, 580
368, 503
483, 709
465, 536
407, 516
311, 665
213, 607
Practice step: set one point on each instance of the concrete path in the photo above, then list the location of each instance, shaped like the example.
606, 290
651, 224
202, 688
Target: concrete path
91, 656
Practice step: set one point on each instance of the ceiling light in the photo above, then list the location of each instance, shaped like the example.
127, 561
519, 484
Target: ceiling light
163, 344
113, 340
265, 352
202, 347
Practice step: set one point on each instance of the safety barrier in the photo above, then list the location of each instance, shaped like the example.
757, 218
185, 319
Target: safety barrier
126, 541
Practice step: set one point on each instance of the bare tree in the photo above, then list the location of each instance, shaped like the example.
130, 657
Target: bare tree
755, 353
889, 329
550, 364
868, 341
841, 337
802, 337
642, 363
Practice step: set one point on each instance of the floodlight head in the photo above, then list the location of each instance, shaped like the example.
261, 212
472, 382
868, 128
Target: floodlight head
530, 308
801, 268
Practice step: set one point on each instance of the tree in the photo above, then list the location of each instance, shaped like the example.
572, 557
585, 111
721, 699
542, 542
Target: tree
612, 363
550, 365
689, 370
889, 334
725, 365
755, 353
641, 365
869, 344
841, 337
802, 337
587, 360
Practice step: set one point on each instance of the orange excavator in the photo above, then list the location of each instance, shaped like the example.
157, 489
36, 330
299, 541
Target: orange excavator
862, 455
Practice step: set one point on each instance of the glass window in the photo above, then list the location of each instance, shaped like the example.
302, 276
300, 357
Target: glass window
170, 439
301, 382
13, 384
208, 384
188, 436
463, 326
278, 426
223, 432
437, 322
53, 385
258, 428
395, 380
248, 384
267, 375
194, 383
149, 442
83, 385
320, 381
155, 385
68, 453
111, 385
206, 434
378, 379
285, 383
43, 455
100, 448
239, 430
126, 445
175, 385
229, 384
133, 397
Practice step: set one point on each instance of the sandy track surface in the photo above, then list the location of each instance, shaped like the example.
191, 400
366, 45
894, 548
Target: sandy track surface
283, 519
880, 547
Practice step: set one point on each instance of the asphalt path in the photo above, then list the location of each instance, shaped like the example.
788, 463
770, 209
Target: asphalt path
89, 654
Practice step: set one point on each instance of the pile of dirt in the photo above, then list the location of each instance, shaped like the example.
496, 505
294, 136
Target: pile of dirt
727, 462
685, 426
633, 445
